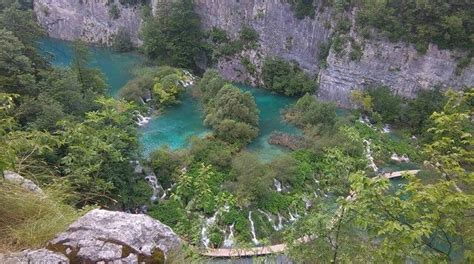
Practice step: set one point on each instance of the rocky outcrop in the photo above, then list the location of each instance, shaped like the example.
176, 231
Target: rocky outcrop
88, 20
119, 237
34, 256
16, 178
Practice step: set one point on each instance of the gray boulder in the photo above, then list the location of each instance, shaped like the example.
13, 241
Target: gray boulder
16, 178
116, 237
39, 256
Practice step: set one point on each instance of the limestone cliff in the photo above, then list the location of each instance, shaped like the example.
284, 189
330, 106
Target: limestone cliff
398, 65
89, 20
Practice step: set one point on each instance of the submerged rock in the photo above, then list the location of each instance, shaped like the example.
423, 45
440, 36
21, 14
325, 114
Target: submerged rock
109, 236
34, 256
286, 140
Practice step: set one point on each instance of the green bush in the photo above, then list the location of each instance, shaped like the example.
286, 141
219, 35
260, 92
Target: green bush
303, 8
308, 111
283, 77
385, 103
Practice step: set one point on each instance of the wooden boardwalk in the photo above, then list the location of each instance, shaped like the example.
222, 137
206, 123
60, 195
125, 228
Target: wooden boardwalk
279, 248
397, 174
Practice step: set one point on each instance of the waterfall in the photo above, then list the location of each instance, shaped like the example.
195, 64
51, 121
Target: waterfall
276, 227
142, 120
153, 182
252, 229
369, 156
229, 239
293, 217
386, 129
280, 222
366, 121
277, 185
205, 240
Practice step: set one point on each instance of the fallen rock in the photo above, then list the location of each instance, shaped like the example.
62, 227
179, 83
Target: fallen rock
16, 178
33, 257
116, 237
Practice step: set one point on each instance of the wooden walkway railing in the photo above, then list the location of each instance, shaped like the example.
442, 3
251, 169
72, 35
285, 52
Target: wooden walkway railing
274, 249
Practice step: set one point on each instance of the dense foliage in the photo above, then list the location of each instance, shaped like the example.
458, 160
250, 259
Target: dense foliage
161, 86
58, 125
174, 36
287, 78
309, 111
232, 113
122, 41
450, 24
303, 8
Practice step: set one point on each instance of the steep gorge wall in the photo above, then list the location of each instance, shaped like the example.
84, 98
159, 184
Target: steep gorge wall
88, 20
281, 33
397, 65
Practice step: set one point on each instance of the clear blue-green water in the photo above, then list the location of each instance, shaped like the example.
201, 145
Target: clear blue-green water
117, 67
175, 125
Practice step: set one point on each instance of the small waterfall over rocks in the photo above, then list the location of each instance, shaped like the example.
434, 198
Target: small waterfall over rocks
403, 158
143, 120
386, 129
205, 240
277, 185
252, 230
369, 156
229, 239
276, 227
157, 188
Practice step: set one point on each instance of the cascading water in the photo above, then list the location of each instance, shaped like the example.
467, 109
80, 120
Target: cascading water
277, 185
386, 129
276, 227
252, 230
229, 239
153, 182
205, 240
142, 120
368, 154
293, 217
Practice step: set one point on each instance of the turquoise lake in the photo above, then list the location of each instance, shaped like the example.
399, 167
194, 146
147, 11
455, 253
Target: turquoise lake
176, 124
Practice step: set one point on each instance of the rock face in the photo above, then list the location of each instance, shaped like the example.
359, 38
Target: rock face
16, 178
34, 256
281, 33
398, 65
118, 237
88, 20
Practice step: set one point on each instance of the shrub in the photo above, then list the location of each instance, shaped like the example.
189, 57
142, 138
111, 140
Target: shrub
309, 111
385, 103
283, 77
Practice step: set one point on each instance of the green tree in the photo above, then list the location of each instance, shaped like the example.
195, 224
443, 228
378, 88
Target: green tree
98, 151
92, 80
174, 35
283, 77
